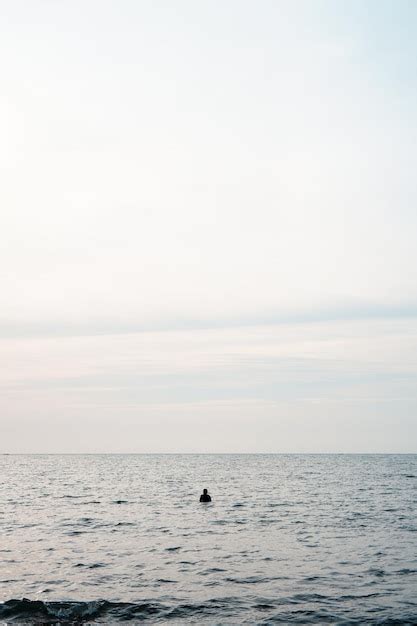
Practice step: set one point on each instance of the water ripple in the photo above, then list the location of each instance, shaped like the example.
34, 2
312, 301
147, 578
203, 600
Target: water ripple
287, 539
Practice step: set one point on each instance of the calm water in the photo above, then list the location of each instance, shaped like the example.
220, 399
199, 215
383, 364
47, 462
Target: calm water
287, 538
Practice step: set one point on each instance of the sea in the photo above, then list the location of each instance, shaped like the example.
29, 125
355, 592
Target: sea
287, 539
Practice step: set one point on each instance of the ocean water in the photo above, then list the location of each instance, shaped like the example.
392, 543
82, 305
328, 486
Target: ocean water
287, 539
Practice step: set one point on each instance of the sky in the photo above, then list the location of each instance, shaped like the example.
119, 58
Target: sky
208, 226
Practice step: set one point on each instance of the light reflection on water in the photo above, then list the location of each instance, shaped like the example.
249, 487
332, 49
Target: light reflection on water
294, 538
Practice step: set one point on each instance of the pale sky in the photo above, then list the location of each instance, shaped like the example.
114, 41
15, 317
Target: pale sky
208, 220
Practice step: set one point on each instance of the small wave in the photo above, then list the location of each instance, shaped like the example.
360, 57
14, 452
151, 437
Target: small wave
253, 580
27, 611
406, 571
213, 607
212, 570
86, 520
37, 612
165, 581
72, 496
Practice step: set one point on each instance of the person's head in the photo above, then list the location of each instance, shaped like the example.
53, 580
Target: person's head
205, 491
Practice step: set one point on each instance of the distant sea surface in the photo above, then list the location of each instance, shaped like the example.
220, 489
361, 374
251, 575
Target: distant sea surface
292, 539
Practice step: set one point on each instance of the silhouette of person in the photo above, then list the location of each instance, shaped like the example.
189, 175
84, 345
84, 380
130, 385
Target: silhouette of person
205, 496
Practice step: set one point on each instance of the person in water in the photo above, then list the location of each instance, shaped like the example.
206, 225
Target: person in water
205, 496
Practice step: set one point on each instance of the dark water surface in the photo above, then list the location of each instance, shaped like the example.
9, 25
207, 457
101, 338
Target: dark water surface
287, 539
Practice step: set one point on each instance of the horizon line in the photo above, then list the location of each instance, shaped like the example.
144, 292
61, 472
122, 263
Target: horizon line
205, 453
